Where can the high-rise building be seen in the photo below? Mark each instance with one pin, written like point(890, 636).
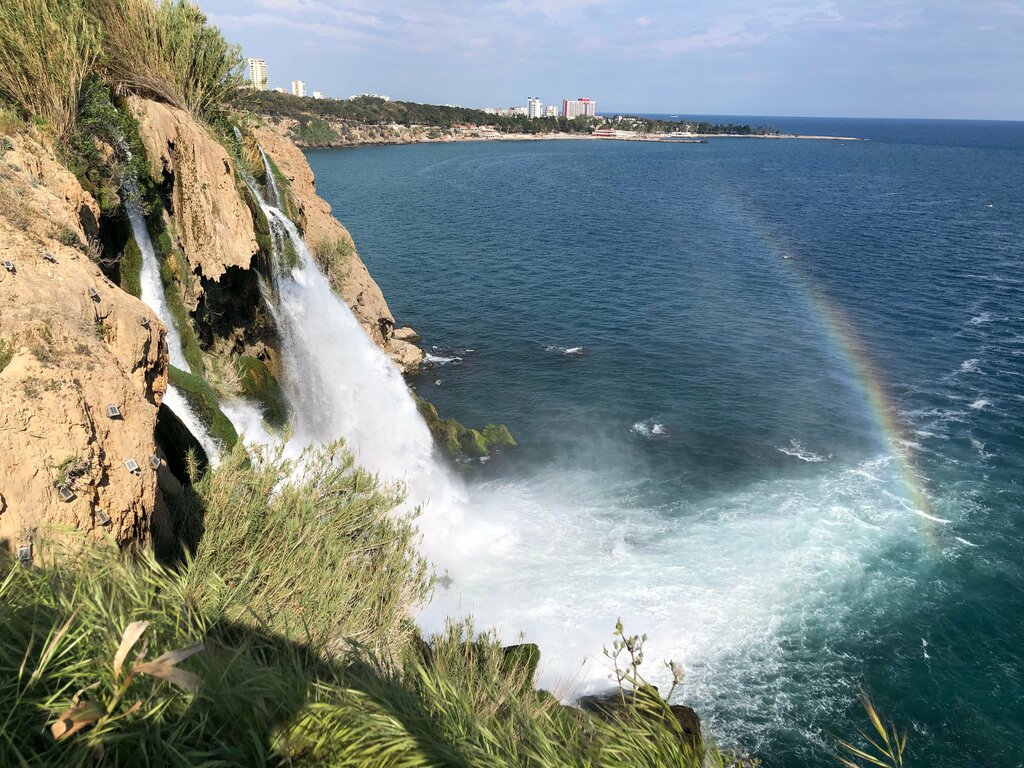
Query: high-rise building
point(582, 107)
point(551, 111)
point(318, 94)
point(257, 73)
point(533, 107)
point(298, 88)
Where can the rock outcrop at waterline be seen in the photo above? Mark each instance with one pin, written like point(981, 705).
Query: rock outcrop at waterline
point(71, 344)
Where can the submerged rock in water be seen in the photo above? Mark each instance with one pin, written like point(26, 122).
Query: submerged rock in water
point(459, 442)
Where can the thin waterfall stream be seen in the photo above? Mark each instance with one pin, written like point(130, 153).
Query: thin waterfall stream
point(153, 296)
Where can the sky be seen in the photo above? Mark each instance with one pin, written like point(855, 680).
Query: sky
point(842, 58)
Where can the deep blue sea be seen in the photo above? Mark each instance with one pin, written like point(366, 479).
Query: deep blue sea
point(770, 403)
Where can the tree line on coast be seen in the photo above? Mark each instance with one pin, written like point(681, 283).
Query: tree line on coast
point(371, 110)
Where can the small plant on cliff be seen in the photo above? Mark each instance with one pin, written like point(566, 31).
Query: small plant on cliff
point(6, 354)
point(69, 470)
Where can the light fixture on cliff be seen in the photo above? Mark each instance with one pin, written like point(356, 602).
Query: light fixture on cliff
point(145, 321)
point(66, 494)
point(9, 266)
point(154, 461)
point(24, 554)
point(132, 465)
point(49, 257)
point(102, 518)
point(93, 295)
point(113, 411)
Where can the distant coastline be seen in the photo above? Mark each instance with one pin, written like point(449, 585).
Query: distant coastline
point(391, 135)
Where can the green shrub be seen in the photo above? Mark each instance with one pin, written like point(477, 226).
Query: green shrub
point(48, 48)
point(314, 131)
point(101, 124)
point(204, 402)
point(316, 554)
point(167, 51)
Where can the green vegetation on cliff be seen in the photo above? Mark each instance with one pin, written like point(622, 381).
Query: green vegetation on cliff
point(204, 402)
point(260, 385)
point(163, 50)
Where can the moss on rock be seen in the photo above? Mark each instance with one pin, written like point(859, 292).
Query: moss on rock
point(131, 268)
point(204, 402)
point(260, 384)
point(460, 442)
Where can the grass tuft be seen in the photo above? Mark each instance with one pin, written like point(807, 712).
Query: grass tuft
point(48, 48)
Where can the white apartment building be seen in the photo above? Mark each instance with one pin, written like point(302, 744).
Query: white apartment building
point(551, 111)
point(533, 107)
point(318, 94)
point(298, 88)
point(257, 73)
point(582, 107)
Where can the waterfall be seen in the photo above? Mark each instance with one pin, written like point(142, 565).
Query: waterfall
point(273, 196)
point(153, 296)
point(342, 385)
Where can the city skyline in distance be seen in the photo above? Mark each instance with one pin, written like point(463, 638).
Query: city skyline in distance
point(821, 58)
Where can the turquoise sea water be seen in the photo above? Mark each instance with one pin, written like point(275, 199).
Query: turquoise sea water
point(701, 451)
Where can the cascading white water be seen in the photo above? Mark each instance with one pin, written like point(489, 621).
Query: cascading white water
point(273, 196)
point(153, 296)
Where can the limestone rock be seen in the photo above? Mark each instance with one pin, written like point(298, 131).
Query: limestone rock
point(332, 245)
point(64, 357)
point(405, 334)
point(214, 225)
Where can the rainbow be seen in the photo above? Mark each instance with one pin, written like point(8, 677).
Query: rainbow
point(842, 337)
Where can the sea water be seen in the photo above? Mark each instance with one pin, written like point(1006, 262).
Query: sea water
point(705, 450)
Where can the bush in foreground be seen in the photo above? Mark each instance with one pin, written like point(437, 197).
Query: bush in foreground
point(296, 578)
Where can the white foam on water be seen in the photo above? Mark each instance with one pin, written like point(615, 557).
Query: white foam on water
point(984, 317)
point(727, 585)
point(649, 428)
point(724, 587)
point(566, 351)
point(977, 405)
point(440, 359)
point(796, 450)
point(970, 366)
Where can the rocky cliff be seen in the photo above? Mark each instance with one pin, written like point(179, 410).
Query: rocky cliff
point(83, 363)
point(72, 344)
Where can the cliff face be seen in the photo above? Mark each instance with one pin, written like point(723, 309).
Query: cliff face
point(213, 225)
point(335, 251)
point(65, 356)
point(72, 343)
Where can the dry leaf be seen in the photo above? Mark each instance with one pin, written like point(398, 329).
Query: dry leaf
point(164, 668)
point(75, 719)
point(179, 677)
point(131, 636)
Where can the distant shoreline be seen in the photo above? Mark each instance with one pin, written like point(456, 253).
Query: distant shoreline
point(417, 138)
